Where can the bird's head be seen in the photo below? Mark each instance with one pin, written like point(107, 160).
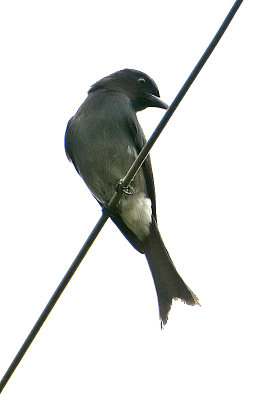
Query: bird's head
point(136, 85)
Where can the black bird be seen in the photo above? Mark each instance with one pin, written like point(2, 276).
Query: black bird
point(102, 140)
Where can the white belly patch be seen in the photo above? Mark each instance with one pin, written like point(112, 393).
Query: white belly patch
point(136, 212)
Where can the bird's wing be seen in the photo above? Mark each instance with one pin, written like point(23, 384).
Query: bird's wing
point(130, 236)
point(135, 130)
point(68, 146)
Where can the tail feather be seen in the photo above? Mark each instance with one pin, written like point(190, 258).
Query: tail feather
point(169, 285)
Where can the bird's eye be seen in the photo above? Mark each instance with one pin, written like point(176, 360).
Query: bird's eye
point(142, 81)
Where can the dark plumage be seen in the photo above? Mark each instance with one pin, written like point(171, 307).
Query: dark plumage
point(102, 140)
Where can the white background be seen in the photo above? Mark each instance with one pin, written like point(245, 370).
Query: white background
point(103, 338)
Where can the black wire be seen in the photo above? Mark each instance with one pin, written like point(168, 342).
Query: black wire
point(125, 182)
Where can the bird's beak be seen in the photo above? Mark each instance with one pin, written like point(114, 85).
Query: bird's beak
point(155, 101)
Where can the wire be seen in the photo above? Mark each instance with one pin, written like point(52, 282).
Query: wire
point(123, 183)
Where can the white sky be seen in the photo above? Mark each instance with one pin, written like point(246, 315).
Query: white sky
point(103, 338)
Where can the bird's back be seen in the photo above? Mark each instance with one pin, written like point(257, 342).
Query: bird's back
point(97, 137)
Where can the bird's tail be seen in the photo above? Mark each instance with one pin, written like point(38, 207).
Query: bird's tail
point(169, 285)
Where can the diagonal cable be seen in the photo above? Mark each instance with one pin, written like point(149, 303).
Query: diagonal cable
point(116, 197)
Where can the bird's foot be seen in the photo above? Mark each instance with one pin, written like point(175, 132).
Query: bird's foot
point(125, 189)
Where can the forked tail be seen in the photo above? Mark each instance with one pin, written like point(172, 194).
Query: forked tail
point(169, 285)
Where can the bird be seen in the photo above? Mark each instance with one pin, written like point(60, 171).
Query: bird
point(102, 140)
